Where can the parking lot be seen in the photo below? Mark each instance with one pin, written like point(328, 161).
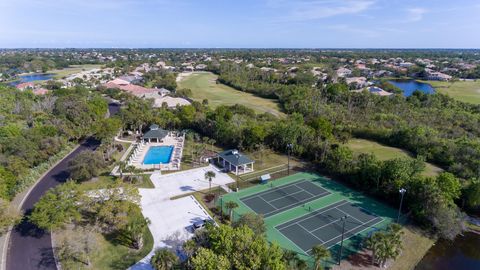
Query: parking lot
point(171, 221)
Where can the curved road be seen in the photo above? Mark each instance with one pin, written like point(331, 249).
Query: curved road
point(29, 247)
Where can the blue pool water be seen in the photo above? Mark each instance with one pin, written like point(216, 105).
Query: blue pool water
point(158, 154)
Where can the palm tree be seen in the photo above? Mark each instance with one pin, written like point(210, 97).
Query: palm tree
point(121, 167)
point(163, 259)
point(320, 253)
point(209, 176)
point(386, 245)
point(373, 243)
point(289, 257)
point(189, 247)
point(136, 228)
point(230, 205)
point(212, 142)
point(301, 264)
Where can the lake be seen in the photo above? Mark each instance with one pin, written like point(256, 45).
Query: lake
point(32, 77)
point(409, 86)
point(462, 253)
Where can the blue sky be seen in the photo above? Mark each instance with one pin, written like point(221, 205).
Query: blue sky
point(241, 23)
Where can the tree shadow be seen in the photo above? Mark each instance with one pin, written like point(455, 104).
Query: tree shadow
point(27, 229)
point(47, 260)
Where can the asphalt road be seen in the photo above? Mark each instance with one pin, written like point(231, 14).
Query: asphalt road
point(30, 247)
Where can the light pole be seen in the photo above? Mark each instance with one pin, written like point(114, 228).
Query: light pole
point(343, 219)
point(289, 149)
point(402, 192)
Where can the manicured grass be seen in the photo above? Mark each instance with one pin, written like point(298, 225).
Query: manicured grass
point(61, 73)
point(338, 193)
point(415, 246)
point(383, 152)
point(204, 86)
point(118, 154)
point(466, 91)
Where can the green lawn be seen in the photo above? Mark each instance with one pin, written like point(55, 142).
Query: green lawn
point(466, 91)
point(61, 73)
point(410, 257)
point(386, 152)
point(204, 86)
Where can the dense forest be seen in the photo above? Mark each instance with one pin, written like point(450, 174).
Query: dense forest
point(33, 129)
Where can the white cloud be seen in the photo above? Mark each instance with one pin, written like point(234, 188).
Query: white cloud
point(303, 10)
point(416, 14)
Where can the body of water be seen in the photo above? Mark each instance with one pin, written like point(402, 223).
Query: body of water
point(409, 86)
point(158, 155)
point(32, 77)
point(461, 254)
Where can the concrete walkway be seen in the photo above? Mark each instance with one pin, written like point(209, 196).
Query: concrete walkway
point(172, 220)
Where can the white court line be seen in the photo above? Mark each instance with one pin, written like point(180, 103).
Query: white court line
point(381, 219)
point(297, 204)
point(308, 216)
point(351, 216)
point(288, 195)
point(268, 204)
point(336, 207)
point(321, 240)
point(273, 189)
point(312, 193)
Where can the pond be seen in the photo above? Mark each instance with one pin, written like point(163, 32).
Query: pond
point(462, 253)
point(409, 86)
point(32, 77)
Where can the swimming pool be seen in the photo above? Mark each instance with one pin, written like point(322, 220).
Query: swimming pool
point(158, 154)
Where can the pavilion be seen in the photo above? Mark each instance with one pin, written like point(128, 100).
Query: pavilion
point(235, 162)
point(155, 134)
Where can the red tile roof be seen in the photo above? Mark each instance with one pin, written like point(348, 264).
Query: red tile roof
point(131, 88)
point(25, 85)
point(40, 91)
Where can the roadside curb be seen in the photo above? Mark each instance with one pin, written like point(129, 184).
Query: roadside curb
point(5, 239)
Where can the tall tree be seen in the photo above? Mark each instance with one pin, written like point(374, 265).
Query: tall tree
point(135, 228)
point(209, 176)
point(230, 205)
point(8, 216)
point(163, 259)
point(320, 253)
point(253, 221)
point(86, 165)
point(57, 207)
point(205, 259)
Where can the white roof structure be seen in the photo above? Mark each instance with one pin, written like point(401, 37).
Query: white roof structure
point(171, 101)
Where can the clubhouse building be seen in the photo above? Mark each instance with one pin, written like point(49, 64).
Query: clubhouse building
point(235, 162)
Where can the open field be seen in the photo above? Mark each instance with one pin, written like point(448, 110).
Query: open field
point(384, 152)
point(61, 73)
point(466, 91)
point(204, 86)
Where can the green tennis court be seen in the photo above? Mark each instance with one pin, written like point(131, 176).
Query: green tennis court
point(285, 197)
point(324, 226)
point(305, 209)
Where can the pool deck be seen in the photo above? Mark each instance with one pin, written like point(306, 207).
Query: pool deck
point(142, 149)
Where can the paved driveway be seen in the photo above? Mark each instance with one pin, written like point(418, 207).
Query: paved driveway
point(171, 220)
